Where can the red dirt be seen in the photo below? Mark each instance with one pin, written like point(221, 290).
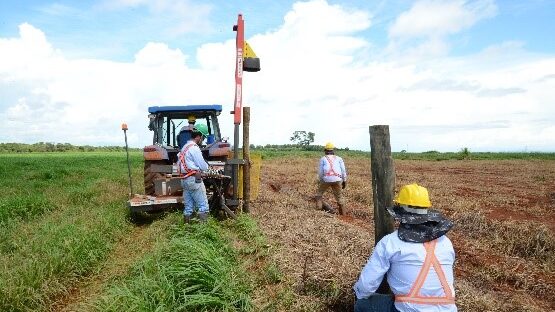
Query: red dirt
point(510, 191)
point(503, 214)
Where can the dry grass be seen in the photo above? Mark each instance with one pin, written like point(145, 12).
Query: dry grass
point(503, 238)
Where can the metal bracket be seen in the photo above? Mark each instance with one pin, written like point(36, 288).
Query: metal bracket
point(236, 162)
point(232, 202)
point(162, 168)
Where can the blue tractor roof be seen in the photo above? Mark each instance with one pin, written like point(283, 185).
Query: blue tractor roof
point(186, 108)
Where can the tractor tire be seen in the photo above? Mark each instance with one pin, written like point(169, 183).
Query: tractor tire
point(150, 175)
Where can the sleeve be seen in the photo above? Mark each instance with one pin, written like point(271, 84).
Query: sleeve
point(321, 168)
point(343, 170)
point(198, 159)
point(374, 271)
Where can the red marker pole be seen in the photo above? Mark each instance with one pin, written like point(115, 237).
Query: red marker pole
point(239, 45)
point(238, 104)
point(124, 128)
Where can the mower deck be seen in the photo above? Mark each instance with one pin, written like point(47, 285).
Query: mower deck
point(145, 203)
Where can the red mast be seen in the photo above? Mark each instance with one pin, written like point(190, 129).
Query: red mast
point(239, 44)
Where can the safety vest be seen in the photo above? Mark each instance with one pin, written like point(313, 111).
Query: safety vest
point(188, 172)
point(331, 171)
point(414, 294)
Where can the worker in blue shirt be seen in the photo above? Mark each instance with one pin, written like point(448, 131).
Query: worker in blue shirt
point(331, 173)
point(191, 165)
point(185, 133)
point(417, 260)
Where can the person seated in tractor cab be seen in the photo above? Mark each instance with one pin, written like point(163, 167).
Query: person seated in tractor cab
point(185, 132)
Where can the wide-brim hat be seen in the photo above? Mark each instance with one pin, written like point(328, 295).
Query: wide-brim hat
point(420, 226)
point(420, 216)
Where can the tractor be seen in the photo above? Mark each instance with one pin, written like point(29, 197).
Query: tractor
point(162, 182)
point(171, 130)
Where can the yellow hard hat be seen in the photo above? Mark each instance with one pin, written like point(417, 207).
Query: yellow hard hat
point(329, 146)
point(413, 195)
point(191, 119)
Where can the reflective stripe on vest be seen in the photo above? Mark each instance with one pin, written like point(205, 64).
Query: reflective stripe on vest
point(414, 293)
point(331, 172)
point(188, 172)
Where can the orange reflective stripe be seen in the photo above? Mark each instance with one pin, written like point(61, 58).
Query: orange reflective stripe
point(442, 279)
point(331, 172)
point(431, 260)
point(182, 160)
point(426, 300)
point(423, 272)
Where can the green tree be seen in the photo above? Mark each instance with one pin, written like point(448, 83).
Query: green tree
point(302, 138)
point(464, 153)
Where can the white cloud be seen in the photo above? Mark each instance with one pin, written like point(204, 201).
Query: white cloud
point(422, 31)
point(436, 18)
point(312, 79)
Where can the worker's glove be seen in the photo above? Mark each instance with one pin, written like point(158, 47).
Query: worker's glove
point(343, 184)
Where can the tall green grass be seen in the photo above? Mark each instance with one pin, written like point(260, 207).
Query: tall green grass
point(198, 270)
point(60, 216)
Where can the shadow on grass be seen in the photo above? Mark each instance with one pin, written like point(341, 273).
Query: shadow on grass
point(144, 218)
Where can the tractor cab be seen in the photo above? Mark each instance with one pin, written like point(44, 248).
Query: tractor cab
point(171, 129)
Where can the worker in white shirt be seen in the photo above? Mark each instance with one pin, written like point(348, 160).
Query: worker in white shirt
point(191, 165)
point(331, 173)
point(417, 259)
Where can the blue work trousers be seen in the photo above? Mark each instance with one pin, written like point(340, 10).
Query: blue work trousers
point(194, 195)
point(376, 303)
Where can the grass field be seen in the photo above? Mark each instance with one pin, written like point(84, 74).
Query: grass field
point(66, 243)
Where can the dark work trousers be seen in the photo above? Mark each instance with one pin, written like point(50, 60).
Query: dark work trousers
point(376, 303)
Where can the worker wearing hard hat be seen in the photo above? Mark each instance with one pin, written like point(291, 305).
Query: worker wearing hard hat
point(417, 259)
point(185, 132)
point(331, 173)
point(191, 164)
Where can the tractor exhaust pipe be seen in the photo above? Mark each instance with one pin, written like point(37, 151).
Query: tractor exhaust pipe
point(124, 128)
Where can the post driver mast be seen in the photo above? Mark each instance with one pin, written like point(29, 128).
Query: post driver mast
point(246, 60)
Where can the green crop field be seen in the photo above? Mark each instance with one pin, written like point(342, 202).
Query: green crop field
point(66, 243)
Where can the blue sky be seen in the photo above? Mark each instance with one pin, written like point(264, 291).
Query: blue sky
point(98, 29)
point(443, 74)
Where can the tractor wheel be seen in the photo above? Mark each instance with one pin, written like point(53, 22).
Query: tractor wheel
point(150, 175)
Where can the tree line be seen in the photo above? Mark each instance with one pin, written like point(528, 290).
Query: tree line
point(291, 147)
point(42, 147)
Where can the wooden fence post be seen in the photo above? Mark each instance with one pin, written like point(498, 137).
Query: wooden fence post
point(383, 185)
point(247, 158)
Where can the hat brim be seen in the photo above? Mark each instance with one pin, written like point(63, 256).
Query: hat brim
point(403, 216)
point(420, 233)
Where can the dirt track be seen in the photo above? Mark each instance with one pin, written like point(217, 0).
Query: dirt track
point(496, 270)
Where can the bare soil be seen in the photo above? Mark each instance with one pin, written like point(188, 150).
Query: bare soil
point(322, 254)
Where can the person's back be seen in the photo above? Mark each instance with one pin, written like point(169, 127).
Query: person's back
point(417, 259)
point(406, 260)
point(331, 174)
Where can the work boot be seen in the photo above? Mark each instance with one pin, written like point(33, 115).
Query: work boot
point(319, 203)
point(186, 219)
point(203, 216)
point(329, 209)
point(341, 209)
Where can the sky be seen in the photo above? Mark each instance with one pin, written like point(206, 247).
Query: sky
point(444, 75)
